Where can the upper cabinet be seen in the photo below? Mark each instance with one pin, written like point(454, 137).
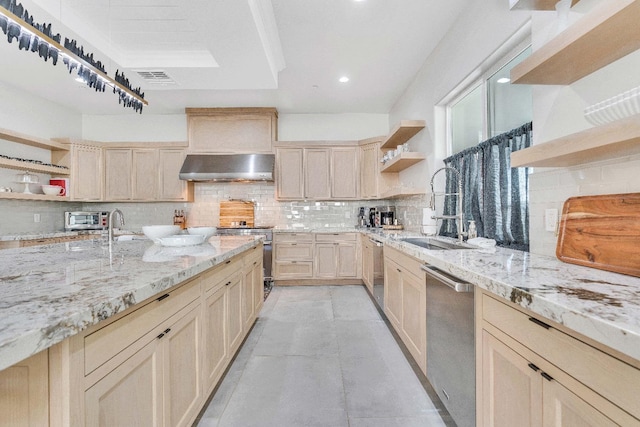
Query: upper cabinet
point(604, 35)
point(231, 130)
point(85, 162)
point(317, 171)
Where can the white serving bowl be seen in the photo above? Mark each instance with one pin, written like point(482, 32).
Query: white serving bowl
point(52, 190)
point(204, 231)
point(155, 232)
point(182, 240)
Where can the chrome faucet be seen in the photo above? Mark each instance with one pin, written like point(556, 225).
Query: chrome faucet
point(459, 217)
point(110, 222)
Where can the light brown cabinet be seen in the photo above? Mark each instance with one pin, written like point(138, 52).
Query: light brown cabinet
point(24, 393)
point(405, 302)
point(532, 373)
point(373, 183)
point(86, 173)
point(118, 174)
point(317, 172)
point(232, 130)
point(145, 174)
point(310, 256)
point(170, 186)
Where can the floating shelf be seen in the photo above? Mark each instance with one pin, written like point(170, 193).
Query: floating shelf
point(535, 4)
point(403, 132)
point(23, 196)
point(401, 162)
point(32, 167)
point(397, 193)
point(32, 141)
point(604, 35)
point(615, 139)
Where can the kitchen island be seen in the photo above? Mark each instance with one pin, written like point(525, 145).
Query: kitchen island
point(84, 313)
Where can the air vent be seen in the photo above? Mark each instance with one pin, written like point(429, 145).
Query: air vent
point(156, 77)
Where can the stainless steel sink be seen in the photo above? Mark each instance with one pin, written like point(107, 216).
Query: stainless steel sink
point(434, 244)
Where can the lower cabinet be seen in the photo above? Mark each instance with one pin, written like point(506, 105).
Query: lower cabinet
point(532, 374)
point(305, 256)
point(24, 392)
point(152, 365)
point(405, 302)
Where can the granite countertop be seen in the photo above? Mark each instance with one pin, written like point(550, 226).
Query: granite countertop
point(601, 305)
point(51, 292)
point(66, 233)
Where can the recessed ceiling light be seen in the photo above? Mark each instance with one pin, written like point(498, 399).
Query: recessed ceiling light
point(504, 80)
point(343, 79)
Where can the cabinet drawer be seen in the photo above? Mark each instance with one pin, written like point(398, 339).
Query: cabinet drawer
point(103, 344)
point(610, 377)
point(407, 263)
point(292, 237)
point(336, 237)
point(294, 251)
point(219, 273)
point(293, 270)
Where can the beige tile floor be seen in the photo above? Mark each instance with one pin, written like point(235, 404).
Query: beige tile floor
point(321, 356)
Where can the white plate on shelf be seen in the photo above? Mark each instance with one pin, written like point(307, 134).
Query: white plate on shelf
point(182, 240)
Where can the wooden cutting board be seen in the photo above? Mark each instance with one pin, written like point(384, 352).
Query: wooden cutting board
point(601, 232)
point(236, 211)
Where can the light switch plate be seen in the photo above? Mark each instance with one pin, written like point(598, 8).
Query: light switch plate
point(551, 219)
point(36, 217)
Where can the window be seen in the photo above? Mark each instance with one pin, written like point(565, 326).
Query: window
point(486, 123)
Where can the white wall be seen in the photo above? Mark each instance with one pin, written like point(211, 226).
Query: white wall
point(484, 26)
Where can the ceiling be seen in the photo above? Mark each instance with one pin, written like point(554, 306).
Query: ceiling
point(287, 54)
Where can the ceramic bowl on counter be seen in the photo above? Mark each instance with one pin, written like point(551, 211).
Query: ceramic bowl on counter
point(179, 240)
point(156, 232)
point(204, 231)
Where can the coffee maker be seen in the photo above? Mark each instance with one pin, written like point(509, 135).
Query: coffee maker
point(387, 215)
point(363, 217)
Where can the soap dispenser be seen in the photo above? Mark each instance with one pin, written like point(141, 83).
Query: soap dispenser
point(473, 233)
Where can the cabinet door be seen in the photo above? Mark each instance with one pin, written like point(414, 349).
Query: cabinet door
point(289, 176)
point(228, 132)
point(392, 292)
point(131, 394)
point(367, 264)
point(344, 173)
point(317, 183)
point(247, 298)
point(171, 187)
point(258, 287)
point(216, 351)
point(346, 260)
point(24, 393)
point(414, 317)
point(118, 171)
point(145, 174)
point(325, 260)
point(182, 373)
point(86, 182)
point(234, 310)
point(511, 389)
point(368, 171)
point(562, 408)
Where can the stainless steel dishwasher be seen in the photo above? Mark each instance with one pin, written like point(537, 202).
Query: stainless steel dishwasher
point(451, 344)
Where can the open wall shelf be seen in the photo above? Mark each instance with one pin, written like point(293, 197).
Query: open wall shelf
point(401, 162)
point(604, 35)
point(22, 196)
point(32, 141)
point(403, 132)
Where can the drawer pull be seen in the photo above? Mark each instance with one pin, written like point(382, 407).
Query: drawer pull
point(165, 296)
point(534, 367)
point(255, 262)
point(227, 284)
point(546, 376)
point(166, 331)
point(399, 271)
point(228, 261)
point(294, 262)
point(294, 244)
point(539, 323)
point(161, 335)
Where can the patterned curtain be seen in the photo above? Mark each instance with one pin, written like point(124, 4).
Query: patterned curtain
point(495, 195)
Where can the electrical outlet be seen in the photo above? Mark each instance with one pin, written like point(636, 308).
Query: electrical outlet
point(551, 219)
point(36, 217)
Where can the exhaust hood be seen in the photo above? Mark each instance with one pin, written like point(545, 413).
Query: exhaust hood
point(228, 167)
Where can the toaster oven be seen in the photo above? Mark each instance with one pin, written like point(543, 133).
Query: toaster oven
point(86, 220)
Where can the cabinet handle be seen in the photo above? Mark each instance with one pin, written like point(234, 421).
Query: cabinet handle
point(294, 262)
point(539, 323)
point(228, 261)
point(160, 336)
point(336, 234)
point(166, 331)
point(165, 296)
point(534, 367)
point(399, 271)
point(255, 262)
point(227, 284)
point(546, 376)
